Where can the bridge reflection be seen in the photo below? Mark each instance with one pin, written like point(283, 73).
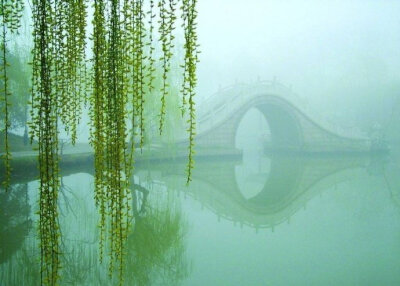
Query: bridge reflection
point(260, 192)
point(283, 184)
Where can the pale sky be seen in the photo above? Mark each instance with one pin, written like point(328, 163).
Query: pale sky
point(326, 50)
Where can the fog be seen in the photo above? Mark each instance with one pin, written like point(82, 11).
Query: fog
point(341, 57)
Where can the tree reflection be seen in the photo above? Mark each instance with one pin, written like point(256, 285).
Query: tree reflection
point(14, 220)
point(155, 248)
point(18, 255)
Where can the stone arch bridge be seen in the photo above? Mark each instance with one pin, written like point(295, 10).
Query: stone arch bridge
point(290, 127)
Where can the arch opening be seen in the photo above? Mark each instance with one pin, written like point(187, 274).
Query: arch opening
point(252, 134)
point(270, 122)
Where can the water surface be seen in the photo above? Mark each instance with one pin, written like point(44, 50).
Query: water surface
point(270, 219)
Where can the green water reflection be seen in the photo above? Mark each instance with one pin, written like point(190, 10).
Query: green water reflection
point(258, 220)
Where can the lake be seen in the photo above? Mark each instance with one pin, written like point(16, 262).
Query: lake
point(264, 218)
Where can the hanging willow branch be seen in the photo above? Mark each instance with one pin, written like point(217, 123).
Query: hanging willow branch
point(115, 145)
point(122, 72)
point(44, 119)
point(98, 104)
point(166, 29)
point(189, 15)
point(109, 115)
point(70, 43)
point(139, 64)
point(57, 87)
point(10, 13)
point(151, 63)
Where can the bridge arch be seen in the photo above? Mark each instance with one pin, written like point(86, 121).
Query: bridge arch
point(284, 124)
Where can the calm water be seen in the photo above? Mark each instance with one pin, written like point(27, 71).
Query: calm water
point(257, 220)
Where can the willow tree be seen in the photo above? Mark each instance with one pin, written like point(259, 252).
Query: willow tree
point(115, 79)
point(10, 14)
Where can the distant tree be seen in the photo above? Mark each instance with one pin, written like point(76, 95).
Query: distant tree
point(19, 85)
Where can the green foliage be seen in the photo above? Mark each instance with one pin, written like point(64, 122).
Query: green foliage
point(189, 15)
point(173, 124)
point(119, 82)
point(151, 61)
point(166, 29)
point(10, 14)
point(98, 104)
point(44, 126)
point(58, 68)
point(69, 61)
point(124, 84)
point(138, 66)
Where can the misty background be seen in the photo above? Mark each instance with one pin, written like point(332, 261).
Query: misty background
point(341, 58)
